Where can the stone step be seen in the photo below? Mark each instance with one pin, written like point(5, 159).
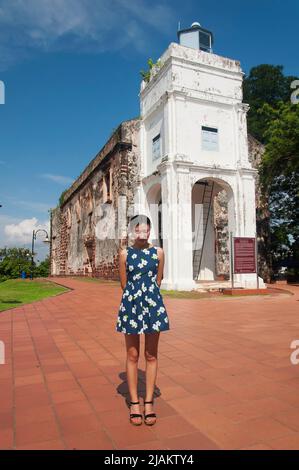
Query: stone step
point(213, 286)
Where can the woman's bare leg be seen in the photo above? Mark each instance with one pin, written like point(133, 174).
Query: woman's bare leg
point(133, 346)
point(151, 357)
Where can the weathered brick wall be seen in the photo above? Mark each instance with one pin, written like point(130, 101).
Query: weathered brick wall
point(58, 248)
point(221, 234)
point(256, 151)
point(85, 235)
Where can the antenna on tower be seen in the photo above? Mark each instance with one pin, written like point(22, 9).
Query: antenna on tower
point(179, 26)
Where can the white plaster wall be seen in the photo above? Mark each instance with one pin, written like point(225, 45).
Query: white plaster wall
point(154, 125)
point(191, 116)
point(193, 89)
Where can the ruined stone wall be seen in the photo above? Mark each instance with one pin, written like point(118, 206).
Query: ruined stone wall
point(59, 239)
point(114, 216)
point(256, 151)
point(221, 234)
point(85, 228)
point(55, 241)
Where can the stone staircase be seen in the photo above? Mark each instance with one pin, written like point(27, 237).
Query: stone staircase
point(214, 286)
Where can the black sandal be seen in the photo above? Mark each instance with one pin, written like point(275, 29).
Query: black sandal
point(149, 415)
point(135, 415)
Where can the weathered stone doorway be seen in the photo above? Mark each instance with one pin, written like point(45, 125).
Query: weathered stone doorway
point(212, 220)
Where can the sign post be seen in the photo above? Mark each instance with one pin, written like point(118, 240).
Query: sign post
point(231, 259)
point(245, 255)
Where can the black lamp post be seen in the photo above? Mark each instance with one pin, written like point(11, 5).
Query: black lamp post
point(28, 255)
point(34, 233)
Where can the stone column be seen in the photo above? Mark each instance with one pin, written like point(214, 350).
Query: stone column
point(166, 171)
point(176, 225)
point(183, 265)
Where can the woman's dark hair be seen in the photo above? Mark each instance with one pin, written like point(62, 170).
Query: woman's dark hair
point(139, 219)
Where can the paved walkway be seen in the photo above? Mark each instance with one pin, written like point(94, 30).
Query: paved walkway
point(225, 379)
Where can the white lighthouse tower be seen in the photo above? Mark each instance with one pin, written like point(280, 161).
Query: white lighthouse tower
point(193, 145)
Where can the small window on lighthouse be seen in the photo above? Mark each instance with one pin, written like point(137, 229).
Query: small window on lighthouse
point(156, 147)
point(209, 138)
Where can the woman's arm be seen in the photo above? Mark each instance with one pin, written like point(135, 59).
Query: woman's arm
point(122, 267)
point(160, 266)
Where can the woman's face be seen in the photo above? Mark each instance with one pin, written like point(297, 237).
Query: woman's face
point(142, 233)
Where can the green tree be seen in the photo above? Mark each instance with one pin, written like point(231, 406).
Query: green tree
point(265, 84)
point(282, 137)
point(43, 269)
point(13, 261)
point(279, 177)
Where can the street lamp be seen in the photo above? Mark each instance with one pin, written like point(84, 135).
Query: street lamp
point(34, 233)
point(28, 256)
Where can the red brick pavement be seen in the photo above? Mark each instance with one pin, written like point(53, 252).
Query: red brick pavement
point(225, 379)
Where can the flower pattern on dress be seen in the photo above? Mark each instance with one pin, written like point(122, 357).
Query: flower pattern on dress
point(142, 309)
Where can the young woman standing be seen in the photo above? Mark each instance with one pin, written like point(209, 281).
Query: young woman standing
point(141, 311)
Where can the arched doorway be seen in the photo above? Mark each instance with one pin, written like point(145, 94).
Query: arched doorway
point(212, 220)
point(154, 202)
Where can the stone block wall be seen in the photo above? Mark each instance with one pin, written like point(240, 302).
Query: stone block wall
point(85, 237)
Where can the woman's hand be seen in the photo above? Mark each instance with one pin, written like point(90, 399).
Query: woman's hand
point(122, 267)
point(160, 253)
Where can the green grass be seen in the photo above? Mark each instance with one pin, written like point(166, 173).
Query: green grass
point(185, 294)
point(16, 292)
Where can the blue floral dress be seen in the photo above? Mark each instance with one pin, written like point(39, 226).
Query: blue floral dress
point(142, 309)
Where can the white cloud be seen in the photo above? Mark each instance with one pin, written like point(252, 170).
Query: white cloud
point(5, 219)
point(78, 26)
point(16, 232)
point(58, 178)
point(21, 232)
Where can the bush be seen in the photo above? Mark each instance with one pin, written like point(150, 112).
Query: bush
point(292, 275)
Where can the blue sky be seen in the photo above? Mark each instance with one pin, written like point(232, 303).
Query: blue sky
point(71, 74)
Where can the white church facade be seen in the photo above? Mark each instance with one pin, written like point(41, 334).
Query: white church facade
point(193, 144)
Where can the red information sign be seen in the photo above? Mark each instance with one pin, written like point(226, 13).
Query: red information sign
point(244, 255)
